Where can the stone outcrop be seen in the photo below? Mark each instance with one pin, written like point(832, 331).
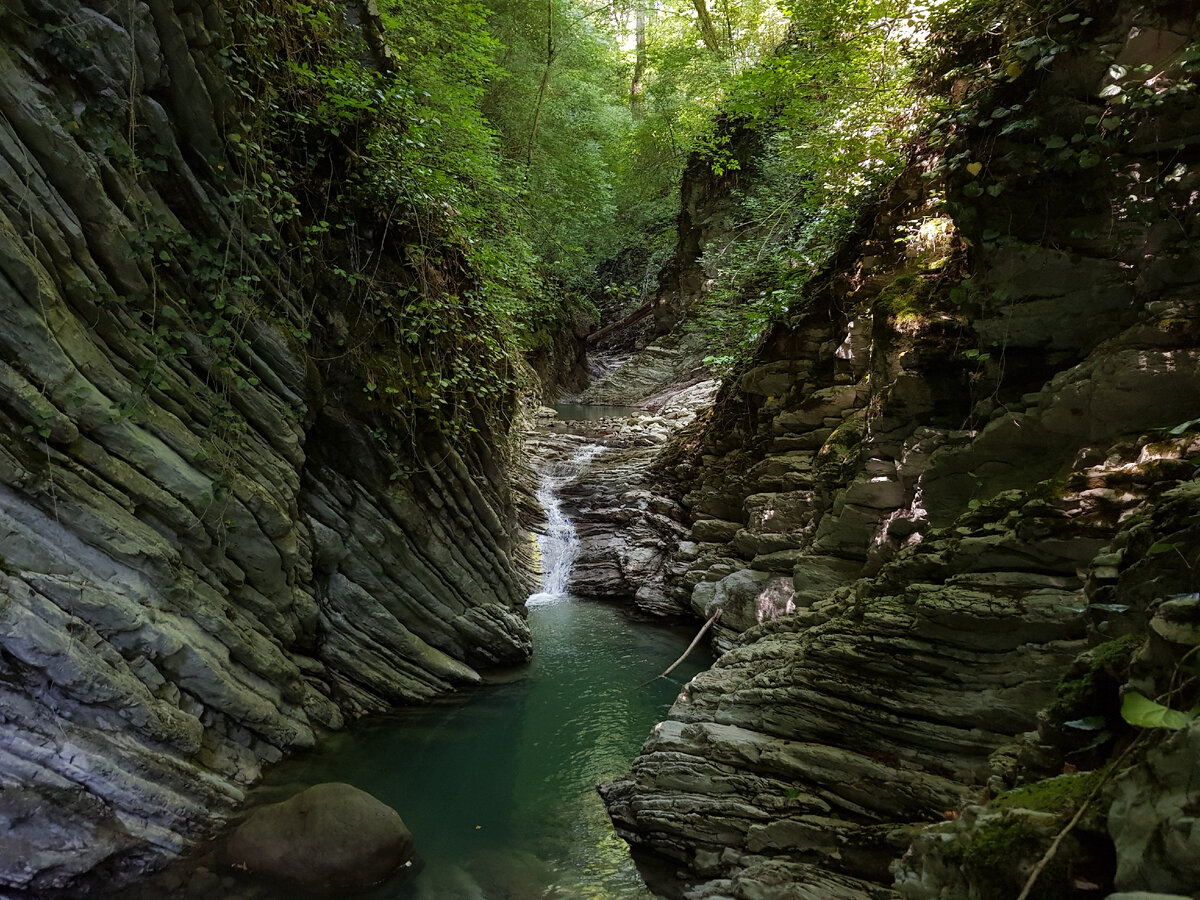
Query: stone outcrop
point(920, 506)
point(209, 549)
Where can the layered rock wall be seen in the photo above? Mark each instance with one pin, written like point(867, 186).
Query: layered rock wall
point(930, 493)
point(208, 553)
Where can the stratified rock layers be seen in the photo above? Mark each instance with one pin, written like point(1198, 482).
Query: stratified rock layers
point(915, 514)
point(203, 559)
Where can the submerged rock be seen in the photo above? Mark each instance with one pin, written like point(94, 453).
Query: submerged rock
point(332, 836)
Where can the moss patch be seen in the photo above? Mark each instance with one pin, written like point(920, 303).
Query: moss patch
point(997, 856)
point(1062, 794)
point(907, 298)
point(1094, 674)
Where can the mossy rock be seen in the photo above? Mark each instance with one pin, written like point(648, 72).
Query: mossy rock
point(1061, 795)
point(988, 854)
point(907, 297)
point(1089, 693)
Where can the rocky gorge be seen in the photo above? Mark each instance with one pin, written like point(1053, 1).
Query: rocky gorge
point(208, 550)
point(948, 511)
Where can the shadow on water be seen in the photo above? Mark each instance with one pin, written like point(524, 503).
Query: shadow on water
point(499, 787)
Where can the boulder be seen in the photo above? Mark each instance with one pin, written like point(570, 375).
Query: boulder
point(1152, 820)
point(714, 531)
point(331, 836)
point(746, 598)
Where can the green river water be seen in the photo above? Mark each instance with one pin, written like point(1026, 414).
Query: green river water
point(498, 784)
point(499, 787)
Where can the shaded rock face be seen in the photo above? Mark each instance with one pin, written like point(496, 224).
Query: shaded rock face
point(706, 203)
point(330, 837)
point(198, 571)
point(648, 356)
point(916, 523)
point(1152, 818)
point(706, 199)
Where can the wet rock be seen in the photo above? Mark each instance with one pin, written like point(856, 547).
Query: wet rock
point(627, 525)
point(329, 837)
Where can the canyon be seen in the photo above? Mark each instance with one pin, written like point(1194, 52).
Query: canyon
point(948, 510)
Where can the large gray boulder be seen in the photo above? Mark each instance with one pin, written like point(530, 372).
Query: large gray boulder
point(1152, 820)
point(331, 836)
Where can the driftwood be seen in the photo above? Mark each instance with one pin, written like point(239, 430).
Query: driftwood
point(692, 646)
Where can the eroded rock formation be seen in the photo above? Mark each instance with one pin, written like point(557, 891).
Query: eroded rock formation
point(928, 496)
point(208, 551)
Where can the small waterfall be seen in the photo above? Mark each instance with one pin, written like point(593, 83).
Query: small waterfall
point(559, 544)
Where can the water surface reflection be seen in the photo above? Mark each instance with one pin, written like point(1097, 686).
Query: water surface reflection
point(499, 788)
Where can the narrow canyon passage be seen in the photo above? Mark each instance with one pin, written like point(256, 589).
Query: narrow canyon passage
point(881, 327)
point(498, 784)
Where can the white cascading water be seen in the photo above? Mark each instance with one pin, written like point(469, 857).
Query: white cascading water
point(559, 544)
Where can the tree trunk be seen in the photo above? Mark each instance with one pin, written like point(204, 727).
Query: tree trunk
point(541, 96)
point(639, 66)
point(707, 29)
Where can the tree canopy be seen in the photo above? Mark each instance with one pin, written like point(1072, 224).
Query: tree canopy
point(554, 133)
point(540, 137)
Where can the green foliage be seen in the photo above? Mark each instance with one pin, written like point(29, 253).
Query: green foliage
point(404, 193)
point(561, 121)
point(1142, 712)
point(515, 145)
point(838, 112)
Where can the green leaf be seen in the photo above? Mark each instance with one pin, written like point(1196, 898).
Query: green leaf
point(1100, 738)
point(1144, 713)
point(1163, 547)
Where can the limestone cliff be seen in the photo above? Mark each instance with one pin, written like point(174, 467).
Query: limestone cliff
point(970, 459)
point(211, 547)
